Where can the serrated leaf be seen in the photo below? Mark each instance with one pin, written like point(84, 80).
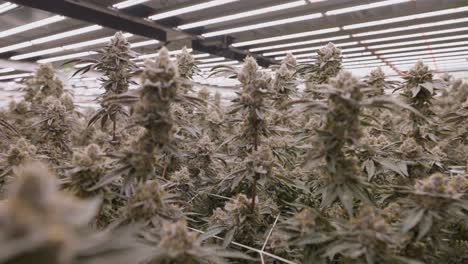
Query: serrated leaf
point(413, 219)
point(370, 169)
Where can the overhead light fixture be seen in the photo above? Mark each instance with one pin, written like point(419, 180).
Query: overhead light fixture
point(81, 65)
point(92, 42)
point(50, 38)
point(7, 7)
point(423, 52)
point(154, 55)
point(305, 60)
point(425, 34)
point(242, 15)
point(309, 49)
point(128, 3)
point(5, 70)
point(14, 76)
point(407, 18)
point(211, 60)
point(67, 57)
point(364, 7)
point(367, 62)
point(285, 37)
point(450, 44)
point(431, 60)
point(418, 26)
point(439, 65)
point(404, 43)
point(189, 9)
point(262, 25)
point(365, 66)
point(343, 50)
point(144, 43)
point(430, 56)
point(201, 55)
point(279, 46)
point(33, 25)
point(359, 54)
point(217, 63)
point(361, 58)
point(66, 34)
point(353, 49)
point(65, 48)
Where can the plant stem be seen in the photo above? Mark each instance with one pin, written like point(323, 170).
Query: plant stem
point(254, 184)
point(114, 124)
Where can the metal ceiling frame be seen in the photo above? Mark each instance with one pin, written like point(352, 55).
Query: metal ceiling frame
point(107, 17)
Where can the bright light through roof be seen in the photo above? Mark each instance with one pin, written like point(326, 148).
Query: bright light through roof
point(68, 56)
point(286, 37)
point(30, 26)
point(128, 3)
point(5, 70)
point(64, 48)
point(364, 7)
point(343, 50)
point(189, 9)
point(14, 76)
point(242, 15)
point(407, 18)
point(429, 33)
point(306, 42)
point(144, 43)
point(7, 7)
point(362, 62)
point(430, 47)
point(403, 43)
point(423, 52)
point(431, 60)
point(262, 25)
point(50, 38)
point(308, 49)
point(217, 63)
point(364, 65)
point(211, 60)
point(431, 56)
point(153, 55)
point(418, 26)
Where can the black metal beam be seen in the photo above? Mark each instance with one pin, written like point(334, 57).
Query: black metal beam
point(126, 21)
point(231, 53)
point(95, 14)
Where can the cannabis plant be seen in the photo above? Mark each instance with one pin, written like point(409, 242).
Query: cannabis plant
point(175, 244)
point(283, 84)
point(327, 65)
point(8, 129)
point(116, 64)
point(251, 104)
point(40, 224)
point(433, 204)
point(18, 154)
point(342, 179)
point(45, 83)
point(152, 205)
point(151, 109)
point(85, 170)
point(367, 238)
point(53, 129)
point(379, 83)
point(238, 221)
point(186, 64)
point(419, 89)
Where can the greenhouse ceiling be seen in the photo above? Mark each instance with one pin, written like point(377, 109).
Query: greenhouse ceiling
point(393, 34)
